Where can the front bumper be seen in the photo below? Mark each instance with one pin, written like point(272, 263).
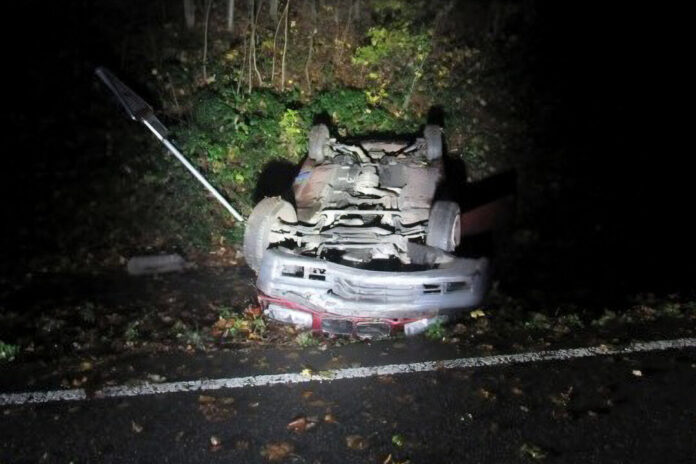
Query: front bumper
point(327, 287)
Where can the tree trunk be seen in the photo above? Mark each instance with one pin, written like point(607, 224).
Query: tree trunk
point(230, 16)
point(205, 40)
point(189, 13)
point(273, 10)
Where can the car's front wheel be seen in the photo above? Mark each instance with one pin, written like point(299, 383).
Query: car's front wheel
point(259, 232)
point(444, 226)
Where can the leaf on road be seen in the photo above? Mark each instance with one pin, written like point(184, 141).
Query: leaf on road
point(135, 427)
point(215, 443)
point(302, 424)
point(275, 452)
point(398, 440)
point(485, 394)
point(533, 451)
point(356, 442)
point(216, 409)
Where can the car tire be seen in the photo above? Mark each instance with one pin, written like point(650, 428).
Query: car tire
point(444, 226)
point(318, 140)
point(258, 233)
point(433, 142)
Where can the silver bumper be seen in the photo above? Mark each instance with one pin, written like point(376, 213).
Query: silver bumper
point(346, 291)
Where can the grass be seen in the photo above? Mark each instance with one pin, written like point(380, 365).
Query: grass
point(306, 339)
point(436, 331)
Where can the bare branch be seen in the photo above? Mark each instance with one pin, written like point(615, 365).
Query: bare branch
point(285, 48)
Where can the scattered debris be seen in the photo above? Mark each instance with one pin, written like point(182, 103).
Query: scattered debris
point(398, 440)
point(144, 265)
point(637, 372)
point(275, 452)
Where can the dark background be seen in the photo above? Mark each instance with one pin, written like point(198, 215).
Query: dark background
point(611, 195)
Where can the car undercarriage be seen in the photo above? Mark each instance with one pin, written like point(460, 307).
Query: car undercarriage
point(367, 240)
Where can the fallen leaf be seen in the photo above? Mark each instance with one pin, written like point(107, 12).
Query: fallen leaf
point(301, 424)
point(254, 311)
point(85, 366)
point(135, 427)
point(475, 314)
point(215, 443)
point(330, 419)
point(398, 440)
point(216, 409)
point(485, 394)
point(356, 442)
point(533, 451)
point(277, 451)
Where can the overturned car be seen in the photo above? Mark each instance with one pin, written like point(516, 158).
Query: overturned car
point(369, 247)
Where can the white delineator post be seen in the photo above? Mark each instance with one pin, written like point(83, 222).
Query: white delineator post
point(174, 151)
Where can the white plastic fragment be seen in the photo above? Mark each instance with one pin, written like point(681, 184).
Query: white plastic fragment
point(142, 265)
point(421, 325)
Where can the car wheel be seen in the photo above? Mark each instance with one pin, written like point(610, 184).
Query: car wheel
point(258, 234)
point(433, 142)
point(318, 139)
point(444, 226)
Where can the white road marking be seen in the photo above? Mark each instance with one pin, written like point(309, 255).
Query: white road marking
point(148, 388)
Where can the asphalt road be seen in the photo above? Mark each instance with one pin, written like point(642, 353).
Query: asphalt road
point(637, 407)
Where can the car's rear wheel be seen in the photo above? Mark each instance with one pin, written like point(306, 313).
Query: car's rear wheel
point(318, 141)
point(258, 234)
point(433, 142)
point(444, 226)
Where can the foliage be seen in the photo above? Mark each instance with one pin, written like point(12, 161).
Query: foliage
point(390, 44)
point(306, 339)
point(233, 137)
point(436, 331)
